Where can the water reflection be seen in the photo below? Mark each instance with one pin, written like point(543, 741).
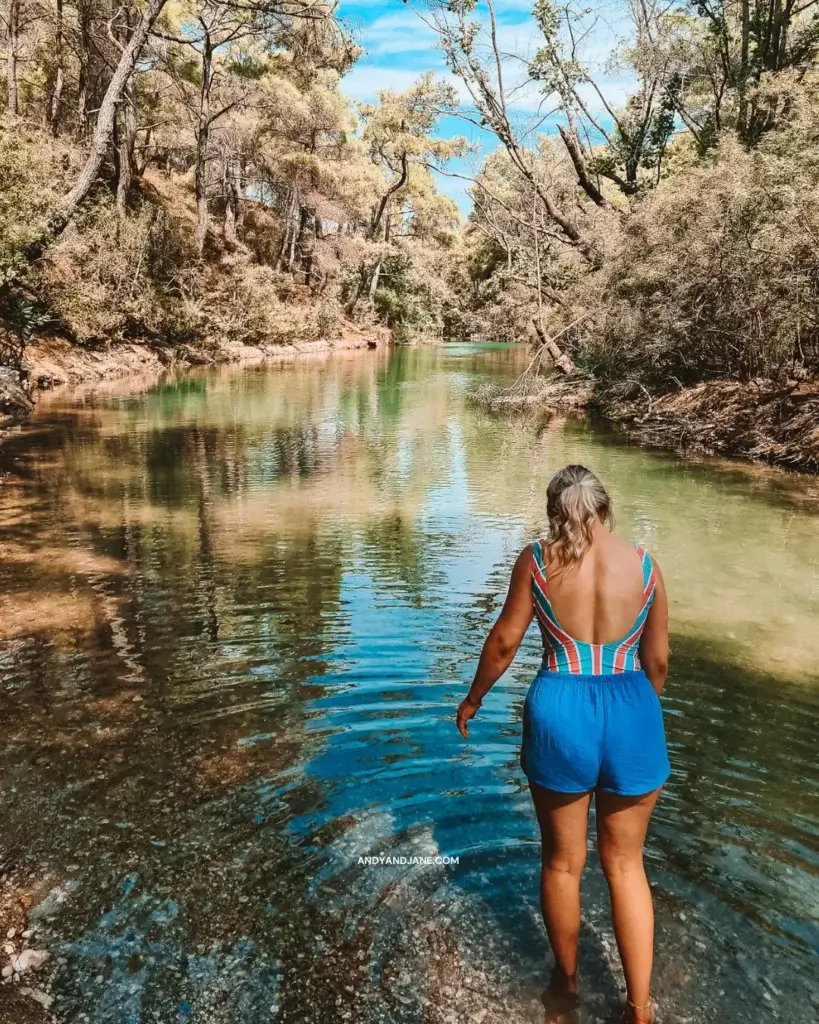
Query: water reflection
point(236, 612)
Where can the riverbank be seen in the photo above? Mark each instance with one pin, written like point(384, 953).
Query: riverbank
point(52, 362)
point(758, 420)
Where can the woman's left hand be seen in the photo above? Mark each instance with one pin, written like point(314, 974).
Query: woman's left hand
point(466, 710)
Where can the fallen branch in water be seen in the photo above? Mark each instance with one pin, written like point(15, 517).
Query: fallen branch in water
point(561, 360)
point(570, 391)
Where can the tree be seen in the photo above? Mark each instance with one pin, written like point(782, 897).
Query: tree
point(213, 30)
point(240, 104)
point(398, 135)
point(473, 53)
point(59, 76)
point(616, 144)
point(727, 64)
point(16, 18)
point(221, 79)
point(103, 133)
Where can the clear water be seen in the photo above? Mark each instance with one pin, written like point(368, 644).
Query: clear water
point(237, 612)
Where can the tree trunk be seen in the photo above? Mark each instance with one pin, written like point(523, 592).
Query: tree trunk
point(126, 155)
point(294, 236)
point(359, 290)
point(117, 149)
point(202, 140)
point(230, 219)
point(562, 361)
point(241, 206)
point(372, 233)
point(385, 199)
point(572, 144)
point(84, 57)
point(12, 78)
point(305, 250)
point(231, 202)
point(375, 280)
point(59, 81)
point(101, 141)
point(126, 143)
point(141, 162)
point(288, 217)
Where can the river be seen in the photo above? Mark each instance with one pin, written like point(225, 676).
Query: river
point(237, 612)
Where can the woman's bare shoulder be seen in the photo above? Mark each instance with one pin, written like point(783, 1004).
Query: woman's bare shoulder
point(527, 554)
point(523, 563)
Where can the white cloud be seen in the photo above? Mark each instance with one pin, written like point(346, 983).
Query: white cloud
point(346, 6)
point(365, 81)
point(397, 33)
point(400, 47)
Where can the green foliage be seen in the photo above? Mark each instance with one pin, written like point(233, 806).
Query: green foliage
point(671, 239)
point(408, 301)
point(715, 275)
point(328, 318)
point(19, 320)
point(240, 190)
point(406, 312)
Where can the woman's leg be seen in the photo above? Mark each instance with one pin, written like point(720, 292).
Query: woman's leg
point(622, 823)
point(563, 820)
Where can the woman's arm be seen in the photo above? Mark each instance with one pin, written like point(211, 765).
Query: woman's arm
point(654, 642)
point(504, 638)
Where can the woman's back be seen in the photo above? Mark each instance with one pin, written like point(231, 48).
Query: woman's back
point(599, 600)
point(592, 612)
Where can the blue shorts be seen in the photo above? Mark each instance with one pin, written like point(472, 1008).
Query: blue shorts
point(581, 732)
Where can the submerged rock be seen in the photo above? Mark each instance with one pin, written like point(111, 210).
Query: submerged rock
point(15, 401)
point(30, 960)
point(37, 994)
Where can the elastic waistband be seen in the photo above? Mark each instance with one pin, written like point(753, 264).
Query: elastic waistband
point(608, 679)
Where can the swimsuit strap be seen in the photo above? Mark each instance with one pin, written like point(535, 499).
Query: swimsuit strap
point(649, 577)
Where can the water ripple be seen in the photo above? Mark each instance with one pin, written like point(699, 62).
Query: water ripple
point(238, 615)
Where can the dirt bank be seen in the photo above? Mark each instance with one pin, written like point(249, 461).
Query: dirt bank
point(51, 361)
point(759, 419)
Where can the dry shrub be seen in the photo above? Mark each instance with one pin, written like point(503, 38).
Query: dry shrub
point(262, 234)
point(328, 318)
point(108, 280)
point(714, 274)
point(34, 171)
point(243, 304)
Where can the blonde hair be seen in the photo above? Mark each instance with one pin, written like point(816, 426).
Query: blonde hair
point(575, 501)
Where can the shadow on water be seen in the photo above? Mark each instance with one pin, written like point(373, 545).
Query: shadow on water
point(236, 619)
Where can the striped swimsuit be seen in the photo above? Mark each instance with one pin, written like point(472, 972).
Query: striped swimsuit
point(564, 654)
point(592, 718)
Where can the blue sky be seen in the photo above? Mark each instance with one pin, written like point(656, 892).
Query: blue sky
point(399, 47)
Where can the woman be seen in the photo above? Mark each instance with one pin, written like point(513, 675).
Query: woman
point(592, 722)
